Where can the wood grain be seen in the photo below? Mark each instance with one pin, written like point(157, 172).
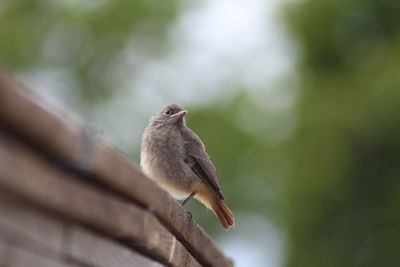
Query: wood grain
point(129, 181)
point(67, 142)
point(3, 253)
point(17, 257)
point(33, 230)
point(94, 250)
point(25, 225)
point(36, 123)
point(27, 175)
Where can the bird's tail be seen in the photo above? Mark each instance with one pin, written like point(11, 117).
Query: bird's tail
point(224, 214)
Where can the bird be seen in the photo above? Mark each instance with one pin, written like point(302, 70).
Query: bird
point(176, 159)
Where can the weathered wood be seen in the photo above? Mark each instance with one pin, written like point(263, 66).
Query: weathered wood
point(28, 235)
point(17, 257)
point(3, 253)
point(26, 174)
point(36, 124)
point(25, 225)
point(91, 249)
point(33, 229)
point(67, 142)
point(105, 164)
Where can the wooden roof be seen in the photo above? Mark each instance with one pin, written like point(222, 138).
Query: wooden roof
point(53, 170)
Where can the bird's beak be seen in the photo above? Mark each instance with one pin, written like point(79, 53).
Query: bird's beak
point(179, 114)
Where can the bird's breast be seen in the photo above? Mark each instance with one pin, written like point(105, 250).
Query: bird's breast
point(162, 160)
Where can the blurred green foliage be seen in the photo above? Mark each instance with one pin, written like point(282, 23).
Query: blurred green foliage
point(248, 167)
point(344, 191)
point(84, 38)
point(332, 183)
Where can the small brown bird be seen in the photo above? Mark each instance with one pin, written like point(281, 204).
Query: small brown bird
point(174, 157)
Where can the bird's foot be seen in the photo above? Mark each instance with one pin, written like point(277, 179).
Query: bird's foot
point(150, 209)
point(188, 212)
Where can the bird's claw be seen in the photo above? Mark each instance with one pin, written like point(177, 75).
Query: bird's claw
point(188, 212)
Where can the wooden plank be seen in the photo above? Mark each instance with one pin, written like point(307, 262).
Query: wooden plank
point(17, 257)
point(94, 250)
point(3, 253)
point(25, 173)
point(29, 119)
point(27, 226)
point(66, 142)
point(28, 236)
point(107, 164)
point(33, 230)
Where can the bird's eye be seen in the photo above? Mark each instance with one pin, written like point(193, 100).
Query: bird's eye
point(167, 112)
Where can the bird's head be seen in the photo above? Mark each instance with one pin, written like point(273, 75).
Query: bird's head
point(170, 115)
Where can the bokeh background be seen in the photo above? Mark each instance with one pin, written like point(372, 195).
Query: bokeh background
point(297, 101)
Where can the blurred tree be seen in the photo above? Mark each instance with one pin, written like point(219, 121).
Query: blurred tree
point(82, 39)
point(252, 171)
point(334, 184)
point(344, 189)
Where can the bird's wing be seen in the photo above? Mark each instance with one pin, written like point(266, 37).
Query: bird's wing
point(200, 162)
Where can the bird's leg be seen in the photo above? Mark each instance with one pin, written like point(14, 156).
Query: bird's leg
point(184, 203)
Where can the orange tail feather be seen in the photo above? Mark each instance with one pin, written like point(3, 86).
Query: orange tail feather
point(224, 214)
